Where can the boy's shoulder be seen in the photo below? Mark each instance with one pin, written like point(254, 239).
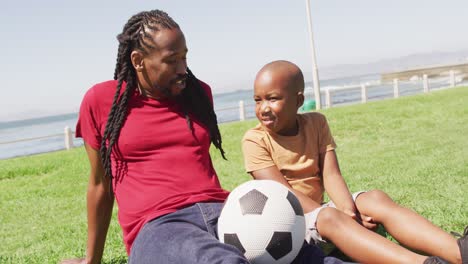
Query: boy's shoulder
point(255, 133)
point(312, 118)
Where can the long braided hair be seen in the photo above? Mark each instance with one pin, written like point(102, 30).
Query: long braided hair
point(135, 36)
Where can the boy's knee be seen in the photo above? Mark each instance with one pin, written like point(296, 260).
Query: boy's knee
point(376, 204)
point(378, 196)
point(374, 198)
point(331, 221)
point(329, 216)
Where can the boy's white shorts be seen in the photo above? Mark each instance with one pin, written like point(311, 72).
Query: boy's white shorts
point(312, 235)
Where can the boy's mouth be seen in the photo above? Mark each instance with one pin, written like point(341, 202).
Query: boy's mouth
point(267, 122)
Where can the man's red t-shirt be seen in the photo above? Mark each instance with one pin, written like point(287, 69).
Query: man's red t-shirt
point(162, 166)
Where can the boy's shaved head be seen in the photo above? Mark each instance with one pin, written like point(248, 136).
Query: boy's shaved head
point(284, 72)
point(278, 94)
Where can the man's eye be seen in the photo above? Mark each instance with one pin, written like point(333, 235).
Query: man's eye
point(176, 60)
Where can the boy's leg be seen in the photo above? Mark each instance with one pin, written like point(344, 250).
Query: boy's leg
point(407, 227)
point(359, 243)
point(185, 236)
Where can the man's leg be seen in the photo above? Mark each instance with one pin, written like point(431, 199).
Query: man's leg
point(313, 254)
point(185, 236)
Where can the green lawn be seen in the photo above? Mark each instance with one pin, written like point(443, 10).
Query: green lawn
point(415, 148)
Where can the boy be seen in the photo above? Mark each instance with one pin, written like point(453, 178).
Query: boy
point(297, 150)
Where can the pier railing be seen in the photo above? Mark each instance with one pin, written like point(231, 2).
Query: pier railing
point(362, 94)
point(424, 82)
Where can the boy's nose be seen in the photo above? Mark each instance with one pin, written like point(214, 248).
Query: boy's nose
point(265, 108)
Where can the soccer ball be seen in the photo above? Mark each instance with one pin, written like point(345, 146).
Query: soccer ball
point(264, 220)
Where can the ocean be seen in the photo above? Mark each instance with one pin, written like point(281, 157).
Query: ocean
point(45, 134)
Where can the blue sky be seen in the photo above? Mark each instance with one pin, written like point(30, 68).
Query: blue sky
point(53, 51)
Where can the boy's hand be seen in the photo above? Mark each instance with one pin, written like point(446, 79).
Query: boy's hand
point(368, 222)
point(351, 212)
point(362, 219)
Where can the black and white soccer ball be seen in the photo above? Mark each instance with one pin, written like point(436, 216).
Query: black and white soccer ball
point(264, 220)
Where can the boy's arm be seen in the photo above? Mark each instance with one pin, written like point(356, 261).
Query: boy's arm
point(272, 173)
point(335, 185)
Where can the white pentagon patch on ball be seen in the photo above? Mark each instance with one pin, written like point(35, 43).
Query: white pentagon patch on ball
point(264, 220)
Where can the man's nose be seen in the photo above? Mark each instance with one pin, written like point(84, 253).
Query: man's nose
point(182, 67)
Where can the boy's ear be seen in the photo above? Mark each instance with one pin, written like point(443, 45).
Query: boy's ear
point(300, 99)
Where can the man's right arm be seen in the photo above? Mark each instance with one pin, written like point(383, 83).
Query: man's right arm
point(99, 206)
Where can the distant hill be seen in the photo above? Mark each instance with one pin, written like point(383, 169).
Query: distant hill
point(395, 64)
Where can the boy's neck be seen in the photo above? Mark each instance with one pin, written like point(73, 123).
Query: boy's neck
point(293, 131)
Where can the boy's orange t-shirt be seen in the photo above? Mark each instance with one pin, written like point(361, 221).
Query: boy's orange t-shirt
point(297, 157)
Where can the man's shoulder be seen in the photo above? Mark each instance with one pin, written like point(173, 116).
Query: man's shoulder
point(204, 85)
point(100, 95)
point(104, 88)
point(101, 91)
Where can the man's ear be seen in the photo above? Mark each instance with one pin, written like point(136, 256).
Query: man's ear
point(137, 60)
point(300, 99)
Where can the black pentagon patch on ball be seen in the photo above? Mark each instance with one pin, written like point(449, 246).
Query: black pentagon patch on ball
point(232, 239)
point(253, 202)
point(295, 204)
point(280, 245)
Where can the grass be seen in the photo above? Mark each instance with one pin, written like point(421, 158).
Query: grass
point(415, 148)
